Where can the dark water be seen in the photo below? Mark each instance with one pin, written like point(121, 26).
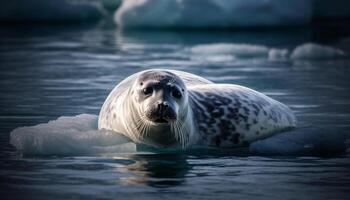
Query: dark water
point(52, 71)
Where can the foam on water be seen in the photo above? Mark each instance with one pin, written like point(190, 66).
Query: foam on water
point(213, 13)
point(78, 135)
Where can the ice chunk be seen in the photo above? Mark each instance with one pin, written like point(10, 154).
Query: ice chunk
point(278, 54)
point(228, 52)
point(212, 13)
point(302, 141)
point(238, 50)
point(69, 136)
point(50, 10)
point(315, 51)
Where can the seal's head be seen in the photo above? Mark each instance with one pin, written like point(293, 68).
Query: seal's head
point(160, 102)
point(161, 96)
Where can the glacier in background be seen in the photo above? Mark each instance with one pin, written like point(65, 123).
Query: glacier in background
point(178, 13)
point(212, 13)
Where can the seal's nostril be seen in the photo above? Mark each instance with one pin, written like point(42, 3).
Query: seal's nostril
point(162, 106)
point(165, 105)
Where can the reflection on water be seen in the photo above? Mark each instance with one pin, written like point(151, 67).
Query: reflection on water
point(165, 170)
point(47, 72)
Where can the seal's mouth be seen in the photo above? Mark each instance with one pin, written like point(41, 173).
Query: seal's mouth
point(161, 121)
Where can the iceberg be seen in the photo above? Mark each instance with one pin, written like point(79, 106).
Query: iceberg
point(50, 10)
point(212, 13)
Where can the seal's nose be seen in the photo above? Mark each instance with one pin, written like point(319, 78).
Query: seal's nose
point(162, 106)
point(163, 112)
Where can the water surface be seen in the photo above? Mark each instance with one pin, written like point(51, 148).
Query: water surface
point(52, 71)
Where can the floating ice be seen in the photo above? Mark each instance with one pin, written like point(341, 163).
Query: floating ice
point(78, 135)
point(315, 51)
point(229, 52)
point(210, 52)
point(50, 10)
point(239, 50)
point(303, 141)
point(278, 54)
point(70, 136)
point(212, 13)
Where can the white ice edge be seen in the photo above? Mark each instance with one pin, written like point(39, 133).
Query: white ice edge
point(78, 136)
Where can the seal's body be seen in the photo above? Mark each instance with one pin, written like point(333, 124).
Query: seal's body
point(168, 108)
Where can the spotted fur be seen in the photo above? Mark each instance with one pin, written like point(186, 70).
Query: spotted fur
point(230, 115)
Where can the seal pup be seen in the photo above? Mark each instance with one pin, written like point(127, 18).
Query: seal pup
point(169, 108)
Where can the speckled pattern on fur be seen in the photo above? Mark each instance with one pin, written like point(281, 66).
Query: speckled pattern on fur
point(219, 115)
point(231, 115)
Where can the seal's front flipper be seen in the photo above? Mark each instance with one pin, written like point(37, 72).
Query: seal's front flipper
point(310, 141)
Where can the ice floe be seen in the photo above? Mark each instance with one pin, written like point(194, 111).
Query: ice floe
point(69, 136)
point(78, 136)
point(307, 51)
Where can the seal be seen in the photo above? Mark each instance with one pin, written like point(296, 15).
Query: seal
point(169, 108)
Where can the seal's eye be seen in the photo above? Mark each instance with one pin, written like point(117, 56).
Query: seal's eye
point(177, 94)
point(147, 90)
